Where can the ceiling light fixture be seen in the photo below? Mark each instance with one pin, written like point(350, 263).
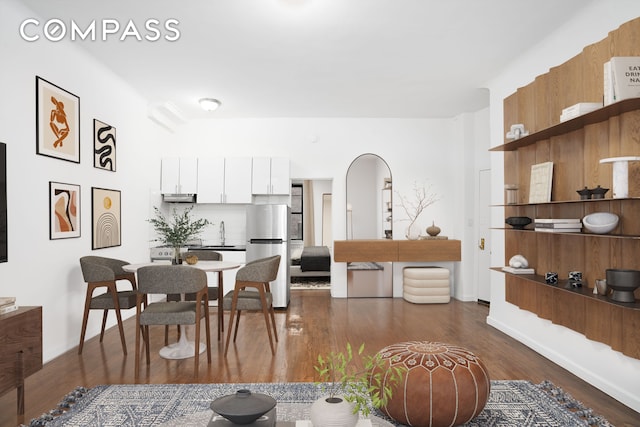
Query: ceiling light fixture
point(209, 104)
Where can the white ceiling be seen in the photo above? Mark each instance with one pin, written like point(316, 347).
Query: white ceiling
point(317, 58)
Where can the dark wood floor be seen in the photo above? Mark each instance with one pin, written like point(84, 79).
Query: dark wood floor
point(314, 323)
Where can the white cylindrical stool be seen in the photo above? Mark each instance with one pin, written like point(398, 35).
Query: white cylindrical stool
point(426, 285)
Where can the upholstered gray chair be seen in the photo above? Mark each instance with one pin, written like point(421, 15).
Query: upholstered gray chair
point(101, 272)
point(255, 274)
point(172, 279)
point(203, 255)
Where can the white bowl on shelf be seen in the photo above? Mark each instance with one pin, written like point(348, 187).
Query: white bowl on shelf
point(600, 222)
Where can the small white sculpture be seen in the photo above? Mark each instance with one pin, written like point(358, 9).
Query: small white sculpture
point(518, 261)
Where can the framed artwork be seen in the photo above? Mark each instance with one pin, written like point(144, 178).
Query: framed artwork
point(106, 220)
point(64, 210)
point(57, 122)
point(540, 184)
point(104, 146)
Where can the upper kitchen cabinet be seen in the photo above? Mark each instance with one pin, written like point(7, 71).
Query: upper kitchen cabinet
point(223, 180)
point(179, 175)
point(271, 175)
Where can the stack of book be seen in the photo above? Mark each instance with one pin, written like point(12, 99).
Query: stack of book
point(7, 305)
point(519, 270)
point(558, 225)
point(578, 110)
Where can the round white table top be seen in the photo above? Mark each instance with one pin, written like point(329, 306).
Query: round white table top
point(202, 265)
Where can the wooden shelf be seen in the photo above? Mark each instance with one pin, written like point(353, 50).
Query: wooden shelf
point(557, 202)
point(579, 122)
point(611, 236)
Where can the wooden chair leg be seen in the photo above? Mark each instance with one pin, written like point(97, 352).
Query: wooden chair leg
point(207, 326)
point(235, 333)
point(234, 304)
point(265, 312)
point(273, 322)
point(85, 317)
point(104, 324)
point(116, 304)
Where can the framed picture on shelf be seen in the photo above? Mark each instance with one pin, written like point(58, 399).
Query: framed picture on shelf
point(540, 184)
point(104, 146)
point(57, 122)
point(106, 218)
point(64, 210)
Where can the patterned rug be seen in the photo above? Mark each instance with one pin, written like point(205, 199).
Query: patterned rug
point(511, 403)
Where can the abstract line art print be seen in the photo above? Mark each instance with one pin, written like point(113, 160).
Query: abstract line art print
point(57, 122)
point(64, 210)
point(104, 146)
point(106, 225)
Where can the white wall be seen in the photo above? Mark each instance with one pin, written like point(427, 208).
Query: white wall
point(596, 363)
point(43, 272)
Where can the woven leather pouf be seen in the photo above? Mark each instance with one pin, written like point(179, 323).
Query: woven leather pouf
point(444, 384)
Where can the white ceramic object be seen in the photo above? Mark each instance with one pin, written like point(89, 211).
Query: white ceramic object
point(328, 414)
point(518, 261)
point(600, 222)
point(620, 175)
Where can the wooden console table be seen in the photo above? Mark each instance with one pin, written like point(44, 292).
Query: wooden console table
point(385, 250)
point(20, 349)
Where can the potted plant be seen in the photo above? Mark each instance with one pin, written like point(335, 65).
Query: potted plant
point(176, 231)
point(351, 386)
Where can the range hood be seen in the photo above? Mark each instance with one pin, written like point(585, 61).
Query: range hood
point(179, 198)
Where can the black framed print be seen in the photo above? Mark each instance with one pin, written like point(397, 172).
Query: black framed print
point(104, 146)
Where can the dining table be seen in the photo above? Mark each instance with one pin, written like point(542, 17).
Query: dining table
point(184, 348)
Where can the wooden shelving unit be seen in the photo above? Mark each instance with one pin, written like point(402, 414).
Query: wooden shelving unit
point(575, 147)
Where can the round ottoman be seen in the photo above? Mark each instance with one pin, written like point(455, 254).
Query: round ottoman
point(444, 384)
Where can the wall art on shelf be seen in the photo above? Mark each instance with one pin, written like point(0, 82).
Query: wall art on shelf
point(106, 218)
point(104, 146)
point(64, 210)
point(57, 122)
point(540, 184)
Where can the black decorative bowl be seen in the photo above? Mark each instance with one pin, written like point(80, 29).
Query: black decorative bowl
point(243, 407)
point(518, 222)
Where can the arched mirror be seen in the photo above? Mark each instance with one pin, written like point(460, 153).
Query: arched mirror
point(369, 198)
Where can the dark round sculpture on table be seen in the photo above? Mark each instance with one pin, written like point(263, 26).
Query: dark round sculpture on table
point(243, 407)
point(518, 222)
point(443, 385)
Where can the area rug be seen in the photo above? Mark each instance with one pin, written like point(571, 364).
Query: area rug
point(511, 403)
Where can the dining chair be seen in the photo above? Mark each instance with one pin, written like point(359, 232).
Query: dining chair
point(101, 272)
point(214, 291)
point(256, 274)
point(172, 279)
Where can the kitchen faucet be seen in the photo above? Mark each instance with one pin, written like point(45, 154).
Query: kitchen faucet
point(222, 233)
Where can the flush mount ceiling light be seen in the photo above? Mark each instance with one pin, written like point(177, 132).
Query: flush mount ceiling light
point(209, 104)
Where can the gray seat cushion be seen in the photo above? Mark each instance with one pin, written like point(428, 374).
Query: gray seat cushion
point(126, 299)
point(247, 300)
point(169, 313)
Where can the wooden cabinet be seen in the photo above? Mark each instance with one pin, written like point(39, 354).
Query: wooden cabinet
point(385, 250)
point(179, 175)
point(224, 180)
point(20, 349)
point(575, 147)
point(270, 175)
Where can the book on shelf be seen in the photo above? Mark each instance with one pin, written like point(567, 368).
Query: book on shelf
point(557, 225)
point(557, 220)
point(7, 301)
point(8, 308)
point(514, 270)
point(625, 77)
point(608, 97)
point(558, 230)
point(578, 110)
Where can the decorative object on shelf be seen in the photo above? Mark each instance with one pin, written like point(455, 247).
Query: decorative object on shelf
point(585, 193)
point(601, 287)
point(551, 278)
point(518, 222)
point(64, 210)
point(106, 218)
point(104, 146)
point(243, 407)
point(433, 230)
point(518, 261)
point(57, 122)
point(424, 198)
point(598, 192)
point(368, 387)
point(540, 183)
point(179, 230)
point(517, 131)
point(600, 222)
point(575, 279)
point(620, 175)
point(511, 194)
point(623, 283)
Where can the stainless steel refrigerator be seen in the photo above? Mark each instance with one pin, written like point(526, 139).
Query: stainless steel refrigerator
point(268, 235)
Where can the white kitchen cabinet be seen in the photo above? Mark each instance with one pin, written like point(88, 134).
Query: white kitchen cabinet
point(270, 175)
point(223, 180)
point(179, 175)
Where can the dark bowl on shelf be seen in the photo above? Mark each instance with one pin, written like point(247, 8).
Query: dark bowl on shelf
point(518, 222)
